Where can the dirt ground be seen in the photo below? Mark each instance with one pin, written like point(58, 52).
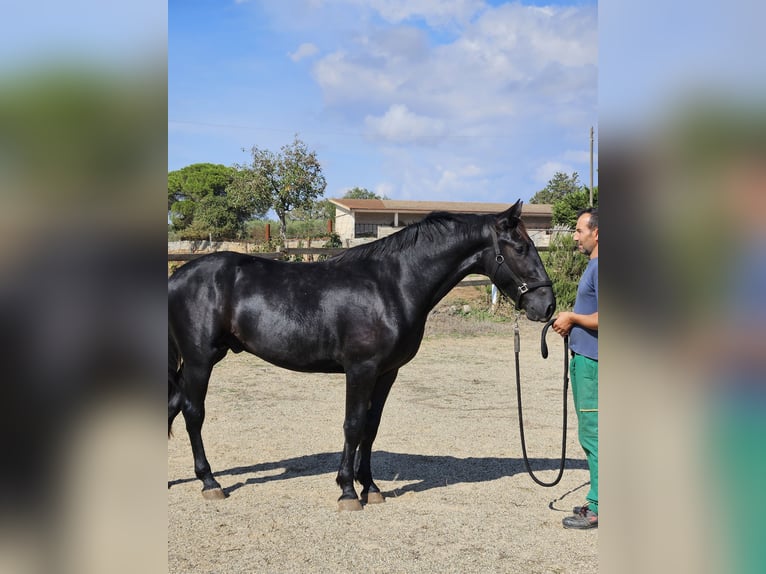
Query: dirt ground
point(448, 459)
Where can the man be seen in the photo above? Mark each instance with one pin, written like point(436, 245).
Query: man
point(581, 325)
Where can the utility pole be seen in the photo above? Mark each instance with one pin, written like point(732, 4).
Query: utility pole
point(591, 166)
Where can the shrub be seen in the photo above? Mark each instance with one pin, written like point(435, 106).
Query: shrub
point(565, 266)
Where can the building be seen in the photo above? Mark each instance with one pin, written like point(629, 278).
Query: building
point(362, 220)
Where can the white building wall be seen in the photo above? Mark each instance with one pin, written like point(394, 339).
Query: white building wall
point(344, 224)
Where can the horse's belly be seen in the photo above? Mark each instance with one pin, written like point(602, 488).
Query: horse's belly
point(317, 366)
point(296, 358)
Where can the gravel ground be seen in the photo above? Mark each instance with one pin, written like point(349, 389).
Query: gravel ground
point(447, 457)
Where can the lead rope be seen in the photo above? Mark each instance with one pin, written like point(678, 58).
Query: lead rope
point(544, 351)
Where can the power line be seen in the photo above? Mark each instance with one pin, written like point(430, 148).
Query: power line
point(373, 135)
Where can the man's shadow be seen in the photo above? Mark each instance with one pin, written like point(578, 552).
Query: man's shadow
point(420, 472)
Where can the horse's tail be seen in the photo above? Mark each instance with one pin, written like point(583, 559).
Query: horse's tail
point(175, 392)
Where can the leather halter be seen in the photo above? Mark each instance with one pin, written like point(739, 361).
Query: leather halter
point(521, 286)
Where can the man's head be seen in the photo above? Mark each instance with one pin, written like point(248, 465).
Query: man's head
point(586, 232)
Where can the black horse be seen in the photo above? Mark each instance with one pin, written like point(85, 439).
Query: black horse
point(361, 313)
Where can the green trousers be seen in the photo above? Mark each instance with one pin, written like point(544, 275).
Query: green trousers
point(735, 445)
point(584, 376)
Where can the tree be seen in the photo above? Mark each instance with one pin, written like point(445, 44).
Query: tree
point(215, 214)
point(308, 222)
point(189, 185)
point(557, 188)
point(362, 193)
point(325, 210)
point(565, 209)
point(285, 181)
point(564, 263)
point(202, 203)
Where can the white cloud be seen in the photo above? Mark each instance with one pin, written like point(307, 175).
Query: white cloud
point(463, 82)
point(546, 171)
point(305, 50)
point(384, 189)
point(577, 156)
point(457, 178)
point(512, 63)
point(399, 124)
point(434, 12)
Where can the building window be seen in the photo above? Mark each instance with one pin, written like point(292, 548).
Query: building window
point(366, 229)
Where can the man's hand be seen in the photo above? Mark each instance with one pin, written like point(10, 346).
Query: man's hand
point(567, 319)
point(563, 323)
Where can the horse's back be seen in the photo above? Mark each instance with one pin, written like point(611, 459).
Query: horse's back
point(215, 270)
point(212, 263)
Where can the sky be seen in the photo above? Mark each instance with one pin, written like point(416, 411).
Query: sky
point(451, 100)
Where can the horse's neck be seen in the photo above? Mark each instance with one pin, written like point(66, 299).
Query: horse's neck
point(438, 269)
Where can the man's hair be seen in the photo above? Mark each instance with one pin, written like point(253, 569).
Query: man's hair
point(593, 212)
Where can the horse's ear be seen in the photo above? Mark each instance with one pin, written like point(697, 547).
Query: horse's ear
point(509, 218)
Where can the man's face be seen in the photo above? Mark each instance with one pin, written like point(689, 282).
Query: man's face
point(586, 238)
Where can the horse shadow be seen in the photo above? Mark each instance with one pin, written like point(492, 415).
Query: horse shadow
point(419, 472)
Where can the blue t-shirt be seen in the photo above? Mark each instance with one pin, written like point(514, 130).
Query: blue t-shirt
point(581, 340)
point(741, 376)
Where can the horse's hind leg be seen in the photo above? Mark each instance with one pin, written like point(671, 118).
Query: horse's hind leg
point(370, 492)
point(175, 395)
point(196, 379)
point(175, 398)
point(359, 388)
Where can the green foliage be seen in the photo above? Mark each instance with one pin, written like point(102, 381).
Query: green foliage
point(216, 217)
point(362, 193)
point(324, 210)
point(565, 266)
point(198, 180)
point(182, 213)
point(306, 228)
point(557, 188)
point(77, 133)
point(334, 242)
point(202, 203)
point(565, 209)
point(255, 232)
point(311, 221)
point(285, 181)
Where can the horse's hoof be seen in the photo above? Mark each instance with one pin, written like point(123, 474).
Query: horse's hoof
point(213, 494)
point(373, 498)
point(348, 504)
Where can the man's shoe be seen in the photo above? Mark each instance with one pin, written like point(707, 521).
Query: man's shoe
point(578, 510)
point(583, 521)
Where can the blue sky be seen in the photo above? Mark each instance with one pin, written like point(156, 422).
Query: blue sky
point(459, 100)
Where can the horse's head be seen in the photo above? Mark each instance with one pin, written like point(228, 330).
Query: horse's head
point(514, 265)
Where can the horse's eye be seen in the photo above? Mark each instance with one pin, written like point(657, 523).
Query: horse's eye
point(519, 248)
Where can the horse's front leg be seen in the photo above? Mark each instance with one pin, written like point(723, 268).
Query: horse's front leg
point(359, 386)
point(370, 492)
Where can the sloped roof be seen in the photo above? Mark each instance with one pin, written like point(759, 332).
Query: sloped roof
point(391, 205)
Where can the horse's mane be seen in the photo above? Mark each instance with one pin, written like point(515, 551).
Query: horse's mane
point(435, 226)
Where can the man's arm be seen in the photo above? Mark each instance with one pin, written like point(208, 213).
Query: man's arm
point(567, 319)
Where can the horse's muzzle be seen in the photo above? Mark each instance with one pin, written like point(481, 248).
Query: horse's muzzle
point(539, 304)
